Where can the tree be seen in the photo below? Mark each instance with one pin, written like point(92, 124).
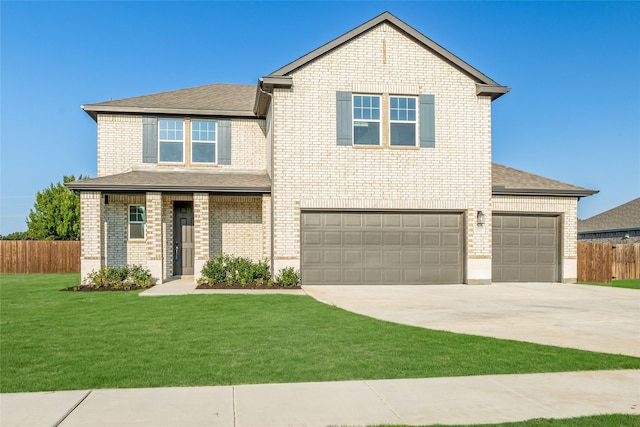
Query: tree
point(16, 235)
point(56, 213)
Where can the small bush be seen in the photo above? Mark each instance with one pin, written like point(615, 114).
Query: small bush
point(123, 278)
point(229, 269)
point(288, 277)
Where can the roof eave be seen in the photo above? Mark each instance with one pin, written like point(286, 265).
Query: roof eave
point(94, 109)
point(264, 88)
point(86, 186)
point(609, 230)
point(494, 91)
point(500, 190)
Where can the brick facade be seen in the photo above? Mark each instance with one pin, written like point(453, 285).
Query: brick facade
point(311, 171)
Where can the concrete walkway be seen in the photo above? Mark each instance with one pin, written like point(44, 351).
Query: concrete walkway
point(594, 318)
point(457, 400)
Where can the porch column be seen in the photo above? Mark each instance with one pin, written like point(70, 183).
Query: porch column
point(200, 232)
point(91, 223)
point(154, 234)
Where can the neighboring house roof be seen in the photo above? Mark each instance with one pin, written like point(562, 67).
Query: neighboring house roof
point(223, 182)
point(216, 100)
point(621, 218)
point(486, 86)
point(509, 181)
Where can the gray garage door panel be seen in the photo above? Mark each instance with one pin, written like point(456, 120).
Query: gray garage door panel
point(381, 248)
point(525, 248)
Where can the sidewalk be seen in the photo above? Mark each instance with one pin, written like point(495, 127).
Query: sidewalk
point(456, 400)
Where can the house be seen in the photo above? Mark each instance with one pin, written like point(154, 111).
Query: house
point(618, 225)
point(365, 161)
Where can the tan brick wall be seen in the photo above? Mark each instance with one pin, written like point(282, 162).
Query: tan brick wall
point(312, 171)
point(236, 226)
point(118, 248)
point(120, 145)
point(201, 224)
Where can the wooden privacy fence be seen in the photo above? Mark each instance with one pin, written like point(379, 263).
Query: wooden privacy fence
point(604, 262)
point(39, 256)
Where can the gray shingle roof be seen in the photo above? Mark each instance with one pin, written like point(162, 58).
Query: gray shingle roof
point(623, 217)
point(510, 181)
point(215, 99)
point(190, 181)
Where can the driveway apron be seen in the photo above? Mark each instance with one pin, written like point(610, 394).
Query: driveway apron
point(593, 318)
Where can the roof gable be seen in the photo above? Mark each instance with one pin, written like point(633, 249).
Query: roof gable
point(623, 217)
point(485, 85)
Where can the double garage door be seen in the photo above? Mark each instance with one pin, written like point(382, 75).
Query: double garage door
point(421, 248)
point(354, 248)
point(525, 248)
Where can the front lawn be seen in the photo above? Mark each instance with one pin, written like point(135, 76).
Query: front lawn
point(629, 284)
point(53, 340)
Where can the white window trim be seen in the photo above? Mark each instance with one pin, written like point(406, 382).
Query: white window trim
point(204, 142)
point(354, 120)
point(415, 122)
point(144, 223)
point(171, 140)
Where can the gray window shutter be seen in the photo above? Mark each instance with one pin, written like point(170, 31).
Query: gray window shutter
point(427, 122)
point(344, 123)
point(149, 139)
point(224, 142)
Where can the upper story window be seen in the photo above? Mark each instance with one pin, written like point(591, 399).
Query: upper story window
point(137, 220)
point(366, 119)
point(171, 140)
point(402, 121)
point(203, 141)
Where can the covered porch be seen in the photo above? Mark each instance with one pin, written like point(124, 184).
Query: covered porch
point(172, 222)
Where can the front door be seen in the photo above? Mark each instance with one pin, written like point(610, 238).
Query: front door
point(183, 247)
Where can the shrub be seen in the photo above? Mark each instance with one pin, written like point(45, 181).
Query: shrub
point(124, 278)
point(288, 277)
point(229, 269)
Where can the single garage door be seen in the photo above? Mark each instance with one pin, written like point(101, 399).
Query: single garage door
point(369, 248)
point(525, 248)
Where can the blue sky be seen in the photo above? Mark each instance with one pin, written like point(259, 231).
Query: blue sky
point(573, 113)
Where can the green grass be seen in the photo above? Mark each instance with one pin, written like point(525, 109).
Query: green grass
point(615, 420)
point(53, 340)
point(629, 284)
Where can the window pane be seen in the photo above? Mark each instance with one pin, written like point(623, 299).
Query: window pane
point(366, 133)
point(412, 115)
point(403, 134)
point(357, 101)
point(204, 153)
point(136, 231)
point(203, 130)
point(394, 102)
point(411, 103)
point(375, 101)
point(171, 152)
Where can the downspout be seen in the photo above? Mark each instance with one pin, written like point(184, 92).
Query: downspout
point(272, 220)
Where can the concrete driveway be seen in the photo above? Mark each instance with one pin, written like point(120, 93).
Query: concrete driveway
point(585, 317)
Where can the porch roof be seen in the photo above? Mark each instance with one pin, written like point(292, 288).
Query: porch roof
point(178, 181)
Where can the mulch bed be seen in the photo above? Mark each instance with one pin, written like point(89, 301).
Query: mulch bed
point(85, 288)
point(261, 287)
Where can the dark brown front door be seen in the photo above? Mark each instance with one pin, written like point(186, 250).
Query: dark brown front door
point(183, 247)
